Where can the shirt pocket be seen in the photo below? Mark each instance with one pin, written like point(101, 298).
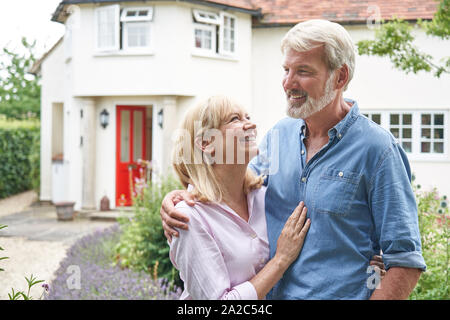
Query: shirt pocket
point(335, 191)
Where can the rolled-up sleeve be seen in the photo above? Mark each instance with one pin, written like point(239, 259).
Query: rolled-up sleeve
point(394, 211)
point(202, 268)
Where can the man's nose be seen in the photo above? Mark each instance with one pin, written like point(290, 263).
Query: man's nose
point(289, 81)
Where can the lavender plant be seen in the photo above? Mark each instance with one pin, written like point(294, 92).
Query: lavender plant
point(100, 278)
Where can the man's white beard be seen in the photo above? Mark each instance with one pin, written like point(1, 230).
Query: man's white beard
point(311, 105)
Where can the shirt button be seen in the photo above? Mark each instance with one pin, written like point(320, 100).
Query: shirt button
point(341, 174)
point(339, 135)
point(253, 235)
point(303, 151)
point(303, 179)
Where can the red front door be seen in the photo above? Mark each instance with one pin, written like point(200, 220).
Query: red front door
point(131, 146)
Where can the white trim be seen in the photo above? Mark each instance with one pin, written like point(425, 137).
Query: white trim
point(206, 17)
point(116, 11)
point(222, 27)
point(416, 127)
point(209, 28)
point(148, 17)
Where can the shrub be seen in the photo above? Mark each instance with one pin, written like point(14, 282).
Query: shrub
point(16, 141)
point(100, 278)
point(142, 245)
point(434, 225)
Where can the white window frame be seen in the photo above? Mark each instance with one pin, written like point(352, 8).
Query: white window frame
point(370, 115)
point(222, 50)
point(116, 9)
point(210, 28)
point(148, 17)
point(416, 154)
point(126, 47)
point(212, 18)
point(400, 126)
point(431, 126)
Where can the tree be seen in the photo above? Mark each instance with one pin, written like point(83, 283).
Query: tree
point(395, 40)
point(20, 92)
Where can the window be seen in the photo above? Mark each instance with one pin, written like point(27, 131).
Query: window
point(214, 33)
point(107, 28)
point(422, 134)
point(227, 34)
point(400, 125)
point(205, 37)
point(126, 29)
point(375, 117)
point(432, 133)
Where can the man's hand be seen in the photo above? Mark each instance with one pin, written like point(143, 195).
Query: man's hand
point(171, 218)
point(377, 262)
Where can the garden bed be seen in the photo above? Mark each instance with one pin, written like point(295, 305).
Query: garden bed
point(89, 272)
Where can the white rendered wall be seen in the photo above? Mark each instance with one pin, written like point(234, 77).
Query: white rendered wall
point(52, 92)
point(171, 69)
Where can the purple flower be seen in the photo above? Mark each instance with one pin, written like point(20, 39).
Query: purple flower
point(46, 287)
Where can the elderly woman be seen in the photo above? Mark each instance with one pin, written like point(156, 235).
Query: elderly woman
point(225, 252)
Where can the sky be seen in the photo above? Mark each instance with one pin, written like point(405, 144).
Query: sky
point(29, 18)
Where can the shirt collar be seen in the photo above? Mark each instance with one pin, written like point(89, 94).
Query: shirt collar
point(342, 126)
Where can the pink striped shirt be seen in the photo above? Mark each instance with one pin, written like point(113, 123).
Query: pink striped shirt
point(221, 252)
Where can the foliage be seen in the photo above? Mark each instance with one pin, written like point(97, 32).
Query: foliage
point(20, 92)
point(434, 225)
point(35, 163)
point(16, 141)
point(394, 39)
point(143, 245)
point(32, 281)
point(1, 249)
point(100, 278)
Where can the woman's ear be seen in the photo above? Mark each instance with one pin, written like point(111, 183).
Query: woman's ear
point(205, 145)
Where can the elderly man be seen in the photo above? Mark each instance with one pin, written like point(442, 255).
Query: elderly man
point(352, 175)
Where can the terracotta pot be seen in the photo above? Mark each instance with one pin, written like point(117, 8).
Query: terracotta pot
point(64, 210)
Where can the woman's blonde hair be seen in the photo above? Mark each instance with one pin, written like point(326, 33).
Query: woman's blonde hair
point(194, 169)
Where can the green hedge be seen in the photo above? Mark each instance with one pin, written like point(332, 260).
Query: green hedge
point(17, 156)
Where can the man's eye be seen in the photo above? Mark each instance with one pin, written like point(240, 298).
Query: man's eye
point(234, 118)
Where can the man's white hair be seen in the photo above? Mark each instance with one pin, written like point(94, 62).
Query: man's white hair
point(339, 47)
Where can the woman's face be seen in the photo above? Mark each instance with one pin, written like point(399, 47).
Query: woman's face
point(239, 138)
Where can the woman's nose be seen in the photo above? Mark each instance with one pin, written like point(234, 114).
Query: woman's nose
point(249, 125)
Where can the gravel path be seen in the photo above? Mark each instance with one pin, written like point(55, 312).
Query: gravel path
point(35, 241)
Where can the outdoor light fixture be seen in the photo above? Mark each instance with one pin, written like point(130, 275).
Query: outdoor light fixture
point(160, 118)
point(104, 118)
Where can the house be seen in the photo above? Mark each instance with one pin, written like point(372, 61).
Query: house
point(115, 87)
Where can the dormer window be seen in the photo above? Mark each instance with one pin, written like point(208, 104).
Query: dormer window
point(214, 33)
point(127, 29)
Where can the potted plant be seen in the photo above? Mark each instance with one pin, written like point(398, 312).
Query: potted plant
point(64, 210)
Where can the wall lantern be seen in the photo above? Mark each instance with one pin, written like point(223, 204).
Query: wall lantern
point(160, 118)
point(104, 118)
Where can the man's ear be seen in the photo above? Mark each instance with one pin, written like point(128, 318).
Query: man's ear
point(342, 77)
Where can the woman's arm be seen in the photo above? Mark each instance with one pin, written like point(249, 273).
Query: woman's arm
point(289, 245)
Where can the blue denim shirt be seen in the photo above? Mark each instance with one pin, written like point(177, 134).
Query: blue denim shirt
point(359, 198)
